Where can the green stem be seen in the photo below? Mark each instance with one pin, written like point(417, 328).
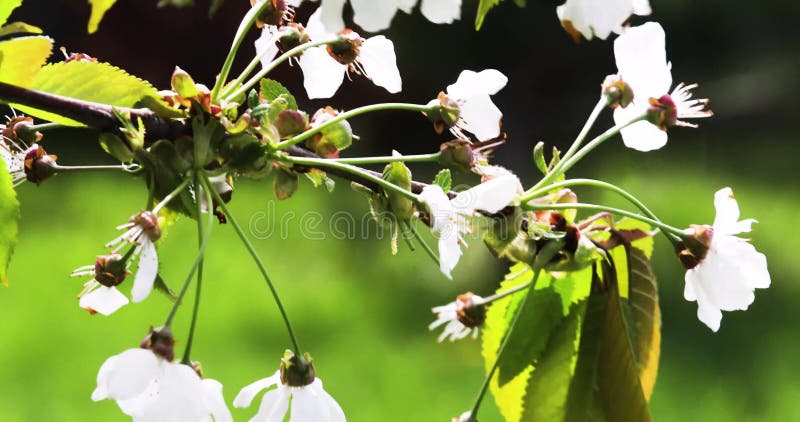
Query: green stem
point(245, 73)
point(282, 58)
point(258, 262)
point(600, 208)
point(487, 381)
point(324, 162)
point(594, 183)
point(198, 260)
point(171, 195)
point(598, 108)
point(77, 168)
point(247, 22)
point(190, 341)
point(352, 113)
point(420, 158)
point(422, 242)
point(44, 126)
point(565, 165)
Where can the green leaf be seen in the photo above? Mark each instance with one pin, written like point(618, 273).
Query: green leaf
point(483, 8)
point(271, 90)
point(9, 221)
point(19, 28)
point(95, 82)
point(444, 179)
point(6, 7)
point(99, 9)
point(21, 58)
point(644, 244)
point(161, 286)
point(284, 184)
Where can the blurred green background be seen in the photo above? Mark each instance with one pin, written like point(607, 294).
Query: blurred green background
point(363, 313)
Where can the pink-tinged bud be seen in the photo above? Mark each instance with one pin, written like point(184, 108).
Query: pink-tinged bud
point(444, 114)
point(470, 310)
point(273, 14)
point(616, 91)
point(18, 129)
point(38, 165)
point(345, 51)
point(297, 371)
point(110, 270)
point(183, 84)
point(693, 248)
point(333, 138)
point(148, 221)
point(161, 342)
point(291, 122)
point(662, 112)
point(457, 155)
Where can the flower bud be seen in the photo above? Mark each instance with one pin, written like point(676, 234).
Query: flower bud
point(290, 123)
point(662, 112)
point(457, 155)
point(297, 371)
point(345, 51)
point(148, 221)
point(444, 114)
point(183, 84)
point(18, 129)
point(273, 14)
point(333, 138)
point(398, 174)
point(38, 165)
point(693, 248)
point(160, 342)
point(110, 270)
point(616, 92)
point(470, 310)
point(293, 35)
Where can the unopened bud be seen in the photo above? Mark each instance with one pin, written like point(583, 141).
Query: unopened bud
point(616, 91)
point(444, 112)
point(457, 155)
point(183, 84)
point(18, 129)
point(291, 122)
point(38, 165)
point(333, 138)
point(148, 221)
point(297, 371)
point(160, 342)
point(110, 270)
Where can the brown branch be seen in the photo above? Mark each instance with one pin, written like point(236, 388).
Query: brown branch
point(101, 117)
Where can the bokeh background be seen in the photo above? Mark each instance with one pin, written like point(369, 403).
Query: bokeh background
point(362, 312)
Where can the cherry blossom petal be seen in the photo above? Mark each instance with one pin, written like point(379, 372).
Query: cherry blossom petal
point(215, 400)
point(146, 273)
point(641, 58)
point(380, 63)
point(373, 15)
point(307, 406)
point(126, 375)
point(334, 412)
point(600, 18)
point(449, 250)
point(330, 14)
point(273, 407)
point(441, 11)
point(481, 117)
point(104, 300)
point(438, 203)
point(249, 392)
point(641, 136)
point(322, 75)
point(470, 83)
point(491, 196)
point(266, 47)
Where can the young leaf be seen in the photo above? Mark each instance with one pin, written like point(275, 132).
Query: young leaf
point(6, 7)
point(270, 90)
point(643, 318)
point(99, 9)
point(95, 82)
point(483, 8)
point(19, 28)
point(444, 179)
point(21, 58)
point(9, 221)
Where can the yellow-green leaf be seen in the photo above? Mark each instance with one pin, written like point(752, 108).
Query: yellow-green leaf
point(9, 221)
point(99, 9)
point(6, 7)
point(21, 58)
point(19, 28)
point(95, 82)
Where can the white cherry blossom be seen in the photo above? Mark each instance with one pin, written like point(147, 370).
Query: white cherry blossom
point(641, 58)
point(13, 155)
point(466, 308)
point(449, 217)
point(310, 403)
point(323, 73)
point(478, 114)
point(100, 294)
point(599, 18)
point(377, 15)
point(725, 279)
point(141, 231)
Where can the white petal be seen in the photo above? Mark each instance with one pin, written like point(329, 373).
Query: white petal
point(273, 406)
point(380, 63)
point(491, 81)
point(146, 274)
point(642, 136)
point(641, 58)
point(481, 117)
point(600, 18)
point(490, 196)
point(266, 48)
point(441, 11)
point(104, 300)
point(373, 15)
point(215, 401)
point(129, 374)
point(322, 74)
point(307, 406)
point(727, 209)
point(101, 392)
point(449, 250)
point(330, 14)
point(406, 5)
point(180, 397)
point(249, 392)
point(331, 409)
point(439, 207)
point(471, 83)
